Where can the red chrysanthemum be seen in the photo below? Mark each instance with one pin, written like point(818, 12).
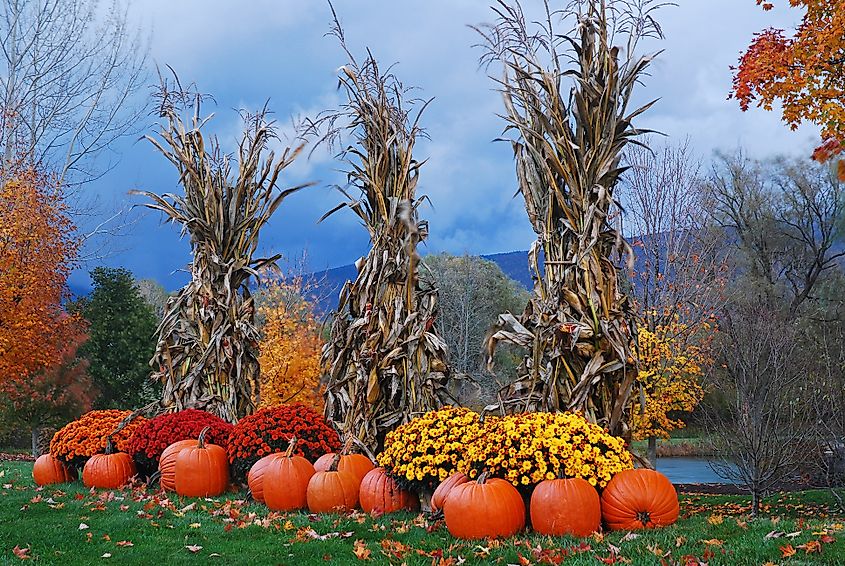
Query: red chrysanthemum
point(150, 439)
point(268, 430)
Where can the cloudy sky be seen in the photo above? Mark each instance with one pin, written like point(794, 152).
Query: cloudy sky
point(246, 53)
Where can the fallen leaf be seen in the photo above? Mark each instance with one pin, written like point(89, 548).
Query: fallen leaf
point(629, 536)
point(827, 539)
point(193, 548)
point(195, 525)
point(811, 546)
point(22, 553)
point(774, 534)
point(713, 542)
point(106, 555)
point(359, 548)
point(787, 551)
point(82, 526)
point(716, 519)
point(124, 543)
point(793, 535)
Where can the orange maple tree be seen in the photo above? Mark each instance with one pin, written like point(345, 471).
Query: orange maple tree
point(54, 395)
point(290, 346)
point(803, 71)
point(37, 250)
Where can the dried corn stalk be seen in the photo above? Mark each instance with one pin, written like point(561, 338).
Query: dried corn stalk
point(578, 326)
point(385, 359)
point(207, 350)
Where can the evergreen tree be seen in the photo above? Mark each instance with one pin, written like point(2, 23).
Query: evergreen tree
point(121, 340)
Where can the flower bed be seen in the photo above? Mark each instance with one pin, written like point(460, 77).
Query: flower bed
point(268, 430)
point(78, 440)
point(425, 451)
point(153, 436)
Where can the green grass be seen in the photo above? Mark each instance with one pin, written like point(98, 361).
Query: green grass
point(48, 523)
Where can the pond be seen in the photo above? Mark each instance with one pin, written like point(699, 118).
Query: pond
point(689, 470)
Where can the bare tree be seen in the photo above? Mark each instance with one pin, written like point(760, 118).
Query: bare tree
point(473, 292)
point(681, 264)
point(786, 219)
point(72, 69)
point(761, 434)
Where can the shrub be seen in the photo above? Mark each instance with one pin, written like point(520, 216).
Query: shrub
point(153, 436)
point(268, 430)
point(80, 439)
point(428, 449)
point(530, 447)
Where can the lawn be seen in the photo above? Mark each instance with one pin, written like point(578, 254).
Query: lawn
point(73, 525)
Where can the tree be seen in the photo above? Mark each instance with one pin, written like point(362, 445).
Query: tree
point(678, 283)
point(785, 219)
point(386, 359)
point(206, 356)
point(669, 381)
point(37, 250)
point(567, 114)
point(802, 72)
point(71, 72)
point(52, 396)
point(121, 340)
point(154, 294)
point(760, 438)
point(473, 291)
point(291, 344)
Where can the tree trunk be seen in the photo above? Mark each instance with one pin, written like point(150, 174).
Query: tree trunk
point(755, 503)
point(652, 450)
point(35, 451)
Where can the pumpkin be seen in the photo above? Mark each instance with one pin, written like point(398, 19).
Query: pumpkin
point(486, 508)
point(639, 499)
point(202, 470)
point(48, 470)
point(167, 463)
point(442, 491)
point(255, 477)
point(356, 464)
point(565, 507)
point(110, 470)
point(380, 493)
point(286, 479)
point(332, 490)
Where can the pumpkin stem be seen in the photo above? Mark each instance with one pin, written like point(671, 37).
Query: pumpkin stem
point(201, 439)
point(335, 462)
point(291, 445)
point(482, 477)
point(109, 445)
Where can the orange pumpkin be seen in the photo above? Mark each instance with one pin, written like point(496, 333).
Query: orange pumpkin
point(639, 499)
point(379, 493)
point(255, 477)
point(108, 471)
point(486, 508)
point(202, 470)
point(167, 463)
point(356, 464)
point(565, 507)
point(286, 478)
point(442, 491)
point(332, 490)
point(48, 470)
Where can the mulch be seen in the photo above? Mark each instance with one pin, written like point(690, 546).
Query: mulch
point(16, 457)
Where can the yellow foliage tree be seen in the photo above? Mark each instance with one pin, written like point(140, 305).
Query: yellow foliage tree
point(290, 346)
point(670, 373)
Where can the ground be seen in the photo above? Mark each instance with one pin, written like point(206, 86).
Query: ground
point(69, 524)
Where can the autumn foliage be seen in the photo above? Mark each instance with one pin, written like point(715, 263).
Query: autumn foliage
point(290, 346)
point(669, 378)
point(51, 396)
point(803, 71)
point(37, 248)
